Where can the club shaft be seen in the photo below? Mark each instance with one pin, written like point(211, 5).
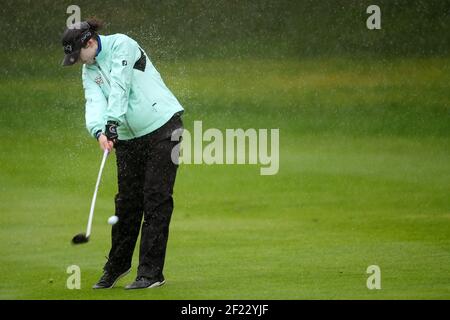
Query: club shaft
point(91, 212)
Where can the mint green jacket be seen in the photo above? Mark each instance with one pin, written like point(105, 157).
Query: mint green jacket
point(124, 86)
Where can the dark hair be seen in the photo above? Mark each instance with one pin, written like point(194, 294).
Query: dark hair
point(95, 24)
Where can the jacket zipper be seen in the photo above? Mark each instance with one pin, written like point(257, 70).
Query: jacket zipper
point(109, 84)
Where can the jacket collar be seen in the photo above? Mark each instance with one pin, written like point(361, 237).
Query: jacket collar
point(99, 46)
point(102, 46)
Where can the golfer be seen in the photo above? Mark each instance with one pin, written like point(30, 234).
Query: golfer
point(130, 109)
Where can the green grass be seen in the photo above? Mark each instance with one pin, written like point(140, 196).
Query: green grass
point(364, 179)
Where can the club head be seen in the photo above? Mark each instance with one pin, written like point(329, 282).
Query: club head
point(80, 238)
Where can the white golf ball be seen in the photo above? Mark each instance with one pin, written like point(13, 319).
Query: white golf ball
point(113, 220)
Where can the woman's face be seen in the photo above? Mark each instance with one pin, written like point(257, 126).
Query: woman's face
point(87, 54)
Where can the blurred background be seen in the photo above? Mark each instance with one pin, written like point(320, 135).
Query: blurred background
point(221, 29)
point(364, 148)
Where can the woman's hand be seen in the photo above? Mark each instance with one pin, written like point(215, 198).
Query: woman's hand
point(104, 143)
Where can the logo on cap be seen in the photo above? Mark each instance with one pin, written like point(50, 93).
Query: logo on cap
point(85, 35)
point(68, 48)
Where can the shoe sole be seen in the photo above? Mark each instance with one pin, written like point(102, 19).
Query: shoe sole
point(157, 284)
point(153, 285)
point(118, 278)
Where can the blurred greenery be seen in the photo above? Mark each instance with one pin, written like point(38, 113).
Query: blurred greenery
point(364, 149)
point(176, 29)
point(364, 176)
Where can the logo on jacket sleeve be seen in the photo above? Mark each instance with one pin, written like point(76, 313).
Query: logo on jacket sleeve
point(98, 80)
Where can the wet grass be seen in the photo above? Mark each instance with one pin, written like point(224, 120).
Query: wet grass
point(364, 180)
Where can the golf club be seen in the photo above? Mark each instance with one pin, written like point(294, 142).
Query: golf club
point(84, 237)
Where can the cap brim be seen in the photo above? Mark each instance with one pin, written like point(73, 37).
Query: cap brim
point(70, 59)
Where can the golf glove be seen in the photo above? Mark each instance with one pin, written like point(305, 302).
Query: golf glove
point(111, 131)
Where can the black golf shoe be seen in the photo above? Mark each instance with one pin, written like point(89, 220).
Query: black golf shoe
point(145, 283)
point(108, 279)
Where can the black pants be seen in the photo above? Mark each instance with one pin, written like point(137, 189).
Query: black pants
point(146, 176)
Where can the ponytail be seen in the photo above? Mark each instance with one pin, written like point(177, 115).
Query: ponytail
point(95, 24)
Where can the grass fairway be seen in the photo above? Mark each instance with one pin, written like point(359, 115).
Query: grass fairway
point(364, 180)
